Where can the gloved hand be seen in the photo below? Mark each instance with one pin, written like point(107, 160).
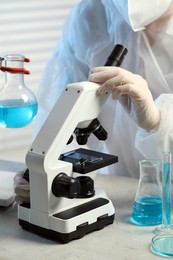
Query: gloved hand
point(132, 91)
point(21, 188)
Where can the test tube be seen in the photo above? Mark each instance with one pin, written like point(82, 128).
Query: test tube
point(166, 226)
point(162, 243)
point(166, 189)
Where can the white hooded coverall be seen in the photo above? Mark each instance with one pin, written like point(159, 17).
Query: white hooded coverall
point(91, 31)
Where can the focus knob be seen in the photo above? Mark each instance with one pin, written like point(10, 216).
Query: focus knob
point(65, 186)
point(87, 187)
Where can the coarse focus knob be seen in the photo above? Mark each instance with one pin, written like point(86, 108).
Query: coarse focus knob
point(65, 186)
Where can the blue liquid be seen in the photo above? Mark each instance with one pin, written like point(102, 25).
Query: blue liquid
point(16, 113)
point(166, 186)
point(147, 211)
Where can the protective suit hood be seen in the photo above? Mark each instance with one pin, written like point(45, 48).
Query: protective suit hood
point(138, 13)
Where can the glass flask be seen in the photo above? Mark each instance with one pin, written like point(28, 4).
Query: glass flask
point(18, 104)
point(147, 208)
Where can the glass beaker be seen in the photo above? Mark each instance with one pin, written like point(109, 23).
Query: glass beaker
point(147, 208)
point(18, 104)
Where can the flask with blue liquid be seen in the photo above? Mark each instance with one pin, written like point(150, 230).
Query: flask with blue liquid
point(147, 208)
point(18, 104)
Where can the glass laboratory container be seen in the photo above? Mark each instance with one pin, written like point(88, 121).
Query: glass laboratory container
point(162, 243)
point(166, 226)
point(147, 208)
point(18, 105)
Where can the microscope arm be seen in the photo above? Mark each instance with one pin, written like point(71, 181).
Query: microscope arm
point(79, 102)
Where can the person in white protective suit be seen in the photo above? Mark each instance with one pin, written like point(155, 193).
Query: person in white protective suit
point(92, 30)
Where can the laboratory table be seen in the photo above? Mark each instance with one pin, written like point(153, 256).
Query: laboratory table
point(118, 241)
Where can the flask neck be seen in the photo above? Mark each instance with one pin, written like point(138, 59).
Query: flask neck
point(149, 168)
point(14, 75)
point(149, 182)
point(14, 80)
point(14, 61)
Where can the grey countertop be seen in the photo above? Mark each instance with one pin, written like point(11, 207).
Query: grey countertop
point(120, 240)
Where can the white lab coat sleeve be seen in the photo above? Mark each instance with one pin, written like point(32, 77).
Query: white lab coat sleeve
point(151, 145)
point(140, 13)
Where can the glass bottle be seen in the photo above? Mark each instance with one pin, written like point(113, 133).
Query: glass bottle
point(147, 208)
point(18, 104)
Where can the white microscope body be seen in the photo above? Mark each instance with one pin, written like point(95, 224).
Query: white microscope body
point(57, 217)
point(62, 206)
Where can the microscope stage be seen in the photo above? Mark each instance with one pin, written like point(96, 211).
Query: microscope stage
point(85, 161)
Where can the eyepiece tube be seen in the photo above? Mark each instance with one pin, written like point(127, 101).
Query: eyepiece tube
point(117, 56)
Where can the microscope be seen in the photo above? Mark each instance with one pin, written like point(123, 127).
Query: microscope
point(64, 203)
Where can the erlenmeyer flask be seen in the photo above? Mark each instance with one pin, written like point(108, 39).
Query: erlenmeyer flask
point(18, 104)
point(147, 208)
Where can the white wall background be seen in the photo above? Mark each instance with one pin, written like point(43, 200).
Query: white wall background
point(31, 28)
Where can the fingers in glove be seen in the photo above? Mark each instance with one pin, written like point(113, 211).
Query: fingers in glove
point(120, 85)
point(19, 179)
point(21, 188)
point(101, 74)
point(21, 192)
point(111, 78)
point(21, 184)
point(111, 85)
point(19, 199)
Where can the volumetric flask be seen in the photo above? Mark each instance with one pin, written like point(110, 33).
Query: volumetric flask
point(18, 105)
point(147, 208)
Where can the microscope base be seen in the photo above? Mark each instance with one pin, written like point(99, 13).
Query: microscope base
point(76, 222)
point(66, 237)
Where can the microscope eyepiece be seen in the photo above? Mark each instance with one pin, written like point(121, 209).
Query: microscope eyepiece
point(117, 56)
